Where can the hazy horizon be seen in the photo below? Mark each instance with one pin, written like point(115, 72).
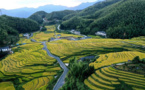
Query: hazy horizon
point(14, 4)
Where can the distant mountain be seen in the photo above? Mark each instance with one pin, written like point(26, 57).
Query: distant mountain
point(21, 12)
point(26, 12)
point(83, 6)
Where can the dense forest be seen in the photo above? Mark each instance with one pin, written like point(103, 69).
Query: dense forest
point(119, 18)
point(10, 27)
point(50, 17)
point(38, 16)
point(78, 72)
point(59, 14)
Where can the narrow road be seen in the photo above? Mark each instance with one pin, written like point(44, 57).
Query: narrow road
point(61, 80)
point(58, 27)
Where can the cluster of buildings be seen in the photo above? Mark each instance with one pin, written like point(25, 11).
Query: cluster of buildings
point(6, 49)
point(75, 32)
point(28, 35)
point(101, 33)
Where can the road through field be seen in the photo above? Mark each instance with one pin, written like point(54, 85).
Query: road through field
point(61, 80)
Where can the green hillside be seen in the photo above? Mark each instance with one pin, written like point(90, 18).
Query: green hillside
point(119, 18)
point(10, 27)
point(51, 17)
point(59, 14)
point(38, 16)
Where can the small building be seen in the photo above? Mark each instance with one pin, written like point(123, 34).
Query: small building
point(101, 33)
point(73, 31)
point(26, 35)
point(5, 49)
point(77, 32)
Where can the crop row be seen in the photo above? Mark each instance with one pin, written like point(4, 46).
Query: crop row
point(107, 78)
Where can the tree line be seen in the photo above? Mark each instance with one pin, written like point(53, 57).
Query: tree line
point(10, 27)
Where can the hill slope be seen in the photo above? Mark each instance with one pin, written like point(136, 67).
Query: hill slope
point(38, 16)
point(52, 17)
point(119, 18)
point(10, 28)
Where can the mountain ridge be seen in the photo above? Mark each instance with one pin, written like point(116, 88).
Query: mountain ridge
point(26, 12)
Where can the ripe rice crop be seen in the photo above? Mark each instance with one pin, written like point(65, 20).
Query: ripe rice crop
point(28, 63)
point(109, 74)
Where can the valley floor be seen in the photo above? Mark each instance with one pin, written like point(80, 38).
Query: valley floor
point(35, 66)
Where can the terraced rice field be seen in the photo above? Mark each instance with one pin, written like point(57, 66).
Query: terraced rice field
point(107, 78)
point(118, 57)
point(6, 86)
point(29, 66)
point(38, 83)
point(23, 40)
point(45, 36)
point(68, 49)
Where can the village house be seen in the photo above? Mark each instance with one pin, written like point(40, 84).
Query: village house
point(101, 33)
point(26, 35)
point(5, 49)
point(75, 32)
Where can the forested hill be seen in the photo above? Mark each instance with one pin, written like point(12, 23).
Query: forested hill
point(119, 18)
point(10, 27)
point(38, 16)
point(57, 15)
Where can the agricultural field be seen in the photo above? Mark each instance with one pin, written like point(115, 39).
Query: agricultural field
point(67, 49)
point(7, 86)
point(110, 78)
point(29, 68)
point(23, 40)
point(113, 58)
point(46, 35)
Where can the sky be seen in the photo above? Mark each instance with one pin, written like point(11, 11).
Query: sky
point(13, 4)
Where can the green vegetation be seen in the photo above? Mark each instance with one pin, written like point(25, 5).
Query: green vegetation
point(22, 25)
point(50, 18)
point(10, 27)
point(8, 35)
point(119, 18)
point(59, 14)
point(38, 16)
point(6, 86)
point(78, 72)
point(137, 65)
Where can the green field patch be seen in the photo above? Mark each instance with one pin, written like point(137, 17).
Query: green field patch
point(30, 71)
point(6, 86)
